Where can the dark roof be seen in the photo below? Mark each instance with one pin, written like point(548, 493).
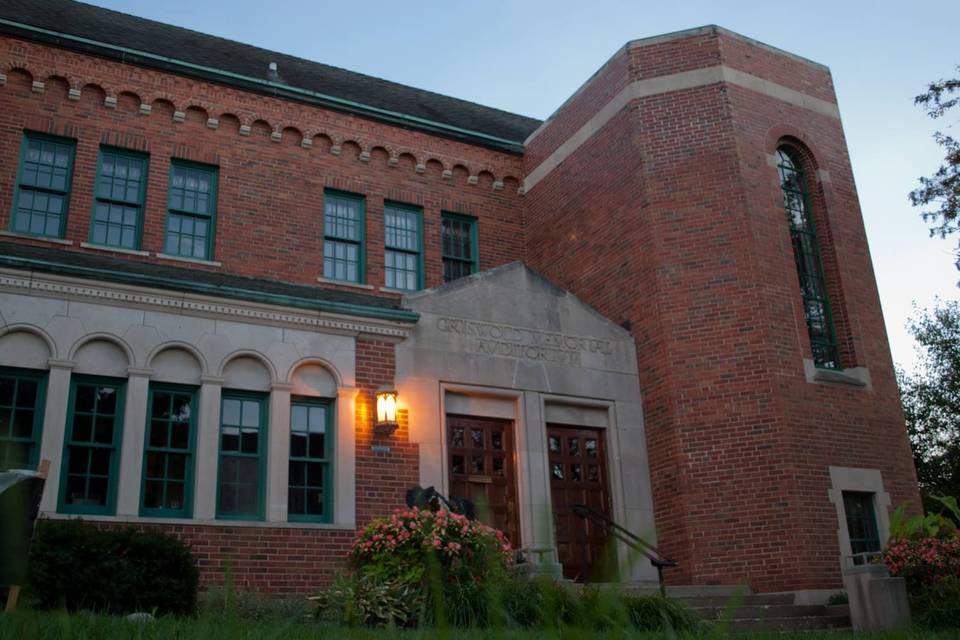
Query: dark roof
point(211, 283)
point(130, 32)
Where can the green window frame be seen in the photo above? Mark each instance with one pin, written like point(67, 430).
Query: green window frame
point(344, 216)
point(806, 253)
point(44, 179)
point(91, 448)
point(119, 195)
point(191, 210)
point(166, 489)
point(858, 506)
point(403, 247)
point(459, 246)
point(310, 480)
point(241, 472)
point(22, 401)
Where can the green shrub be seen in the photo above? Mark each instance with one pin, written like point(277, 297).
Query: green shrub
point(937, 605)
point(370, 601)
point(656, 613)
point(78, 566)
point(247, 605)
point(925, 551)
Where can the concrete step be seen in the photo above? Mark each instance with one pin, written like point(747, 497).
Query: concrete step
point(759, 599)
point(805, 623)
point(751, 612)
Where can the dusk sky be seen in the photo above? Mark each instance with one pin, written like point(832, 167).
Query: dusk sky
point(529, 56)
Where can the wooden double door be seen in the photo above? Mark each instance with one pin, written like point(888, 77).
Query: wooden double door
point(578, 475)
point(482, 469)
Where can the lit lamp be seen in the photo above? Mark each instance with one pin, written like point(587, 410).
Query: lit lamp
point(386, 411)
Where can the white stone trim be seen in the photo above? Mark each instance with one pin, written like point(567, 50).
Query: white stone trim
point(854, 377)
point(49, 285)
point(14, 234)
point(187, 522)
point(102, 247)
point(345, 283)
point(865, 480)
point(209, 263)
point(667, 84)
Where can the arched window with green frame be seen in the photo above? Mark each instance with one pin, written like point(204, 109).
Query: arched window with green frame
point(806, 253)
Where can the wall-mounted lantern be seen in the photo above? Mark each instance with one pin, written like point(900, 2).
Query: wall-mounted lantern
point(386, 411)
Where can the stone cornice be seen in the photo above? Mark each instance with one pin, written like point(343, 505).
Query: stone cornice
point(53, 286)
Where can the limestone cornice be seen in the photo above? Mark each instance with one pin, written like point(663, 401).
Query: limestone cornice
point(92, 291)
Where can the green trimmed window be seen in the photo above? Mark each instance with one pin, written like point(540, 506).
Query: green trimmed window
point(310, 490)
point(403, 257)
point(861, 522)
point(806, 253)
point(343, 234)
point(43, 186)
point(92, 445)
point(191, 210)
point(21, 417)
point(118, 206)
point(243, 447)
point(168, 453)
point(459, 246)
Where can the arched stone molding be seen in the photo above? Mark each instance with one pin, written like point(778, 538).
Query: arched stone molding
point(314, 377)
point(239, 371)
point(169, 363)
point(102, 354)
point(27, 346)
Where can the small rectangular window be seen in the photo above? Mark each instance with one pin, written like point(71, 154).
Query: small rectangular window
point(21, 417)
point(343, 236)
point(243, 446)
point(92, 446)
point(118, 199)
point(459, 246)
point(191, 210)
point(311, 441)
point(861, 522)
point(402, 239)
point(43, 186)
point(168, 460)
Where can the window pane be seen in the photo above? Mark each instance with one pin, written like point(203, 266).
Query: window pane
point(796, 201)
point(95, 422)
point(307, 467)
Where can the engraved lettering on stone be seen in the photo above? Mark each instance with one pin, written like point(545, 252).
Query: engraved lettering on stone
point(487, 338)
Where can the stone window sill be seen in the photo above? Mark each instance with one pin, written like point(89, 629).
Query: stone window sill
point(167, 256)
point(104, 247)
point(855, 377)
point(27, 236)
point(262, 524)
point(344, 283)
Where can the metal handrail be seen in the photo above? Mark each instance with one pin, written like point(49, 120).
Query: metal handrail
point(627, 537)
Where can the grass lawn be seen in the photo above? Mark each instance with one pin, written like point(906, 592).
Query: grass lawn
point(58, 625)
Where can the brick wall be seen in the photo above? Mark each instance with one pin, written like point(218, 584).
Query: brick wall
point(670, 218)
point(270, 205)
point(291, 560)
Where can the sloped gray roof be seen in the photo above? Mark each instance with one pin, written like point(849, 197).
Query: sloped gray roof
point(178, 44)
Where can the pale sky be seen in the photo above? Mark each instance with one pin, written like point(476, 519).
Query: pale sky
point(528, 56)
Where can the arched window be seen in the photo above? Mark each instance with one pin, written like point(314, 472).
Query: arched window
point(806, 252)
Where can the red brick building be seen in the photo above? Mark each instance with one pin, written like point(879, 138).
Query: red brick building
point(659, 303)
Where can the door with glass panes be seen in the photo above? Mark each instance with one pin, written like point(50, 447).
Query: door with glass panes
point(578, 475)
point(481, 463)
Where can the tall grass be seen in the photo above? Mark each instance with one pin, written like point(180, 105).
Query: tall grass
point(60, 625)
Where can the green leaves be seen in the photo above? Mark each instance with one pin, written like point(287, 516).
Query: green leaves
point(943, 187)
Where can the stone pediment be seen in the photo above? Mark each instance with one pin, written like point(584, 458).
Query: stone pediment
point(513, 314)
